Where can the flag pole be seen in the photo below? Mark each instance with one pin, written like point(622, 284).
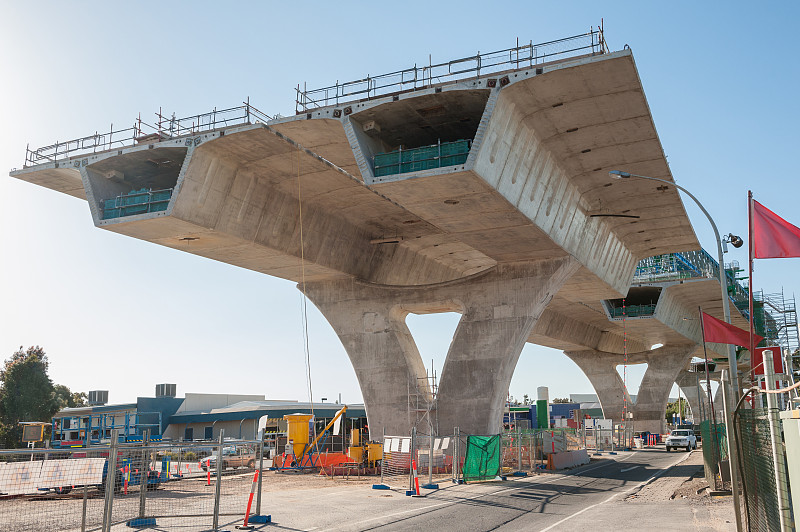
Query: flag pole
point(750, 275)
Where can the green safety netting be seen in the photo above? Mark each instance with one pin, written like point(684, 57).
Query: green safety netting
point(482, 461)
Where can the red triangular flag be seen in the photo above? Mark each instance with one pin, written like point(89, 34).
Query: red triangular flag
point(773, 237)
point(718, 331)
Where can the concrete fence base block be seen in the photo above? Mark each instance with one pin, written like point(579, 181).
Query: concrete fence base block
point(430, 486)
point(260, 519)
point(380, 487)
point(568, 459)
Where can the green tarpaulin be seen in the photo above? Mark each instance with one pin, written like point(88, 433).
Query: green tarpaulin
point(482, 461)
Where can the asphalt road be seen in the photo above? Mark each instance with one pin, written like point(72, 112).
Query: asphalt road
point(545, 502)
point(574, 500)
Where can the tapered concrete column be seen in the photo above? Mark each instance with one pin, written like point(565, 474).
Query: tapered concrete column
point(499, 308)
point(687, 381)
point(601, 369)
point(663, 366)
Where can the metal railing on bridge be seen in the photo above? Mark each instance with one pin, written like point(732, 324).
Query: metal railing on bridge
point(689, 265)
point(474, 66)
point(165, 127)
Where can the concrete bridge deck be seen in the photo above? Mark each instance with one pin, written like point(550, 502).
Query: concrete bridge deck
point(527, 238)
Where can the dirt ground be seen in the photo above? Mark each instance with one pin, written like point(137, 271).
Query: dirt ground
point(684, 485)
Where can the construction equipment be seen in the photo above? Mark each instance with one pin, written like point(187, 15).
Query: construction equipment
point(301, 454)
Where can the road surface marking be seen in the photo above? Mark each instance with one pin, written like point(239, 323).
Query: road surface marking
point(480, 495)
point(629, 469)
point(637, 486)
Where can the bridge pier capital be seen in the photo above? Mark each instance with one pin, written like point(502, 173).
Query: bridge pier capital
point(498, 311)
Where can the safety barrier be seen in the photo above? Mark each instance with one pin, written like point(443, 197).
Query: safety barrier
point(142, 484)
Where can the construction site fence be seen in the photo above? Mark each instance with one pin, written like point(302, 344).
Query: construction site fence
point(759, 487)
point(715, 452)
point(172, 485)
point(607, 440)
point(428, 455)
point(436, 458)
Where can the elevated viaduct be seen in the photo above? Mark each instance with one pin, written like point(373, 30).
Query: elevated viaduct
point(518, 227)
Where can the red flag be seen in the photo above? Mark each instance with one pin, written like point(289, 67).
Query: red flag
point(718, 331)
point(773, 237)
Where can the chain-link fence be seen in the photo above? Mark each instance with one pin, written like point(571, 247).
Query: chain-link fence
point(757, 470)
point(194, 486)
point(527, 450)
point(715, 451)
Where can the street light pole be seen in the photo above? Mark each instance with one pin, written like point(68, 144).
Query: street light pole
point(723, 278)
point(732, 363)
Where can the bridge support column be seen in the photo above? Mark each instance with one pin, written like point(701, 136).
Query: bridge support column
point(499, 309)
point(601, 369)
point(687, 381)
point(663, 366)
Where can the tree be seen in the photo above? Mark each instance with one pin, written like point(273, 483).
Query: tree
point(65, 398)
point(26, 394)
point(561, 400)
point(676, 407)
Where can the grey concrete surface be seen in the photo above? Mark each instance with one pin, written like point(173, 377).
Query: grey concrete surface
point(498, 309)
point(663, 366)
point(534, 190)
point(592, 497)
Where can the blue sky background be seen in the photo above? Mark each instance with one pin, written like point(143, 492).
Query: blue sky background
point(721, 79)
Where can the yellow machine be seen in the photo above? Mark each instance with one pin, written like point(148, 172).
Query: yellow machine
point(368, 453)
point(298, 431)
point(299, 434)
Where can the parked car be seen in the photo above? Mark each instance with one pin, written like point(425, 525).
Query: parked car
point(681, 439)
point(232, 456)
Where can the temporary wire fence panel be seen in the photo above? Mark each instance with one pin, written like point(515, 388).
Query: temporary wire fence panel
point(455, 454)
point(396, 463)
point(47, 490)
point(170, 483)
point(758, 475)
point(437, 467)
point(482, 460)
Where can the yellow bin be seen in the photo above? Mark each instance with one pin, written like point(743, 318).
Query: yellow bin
point(298, 431)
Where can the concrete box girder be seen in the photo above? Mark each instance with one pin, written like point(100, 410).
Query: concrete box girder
point(536, 175)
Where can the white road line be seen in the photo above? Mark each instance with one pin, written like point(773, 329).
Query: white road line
point(480, 495)
point(639, 485)
point(629, 469)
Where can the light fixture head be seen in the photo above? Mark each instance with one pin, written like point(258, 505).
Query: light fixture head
point(736, 241)
point(619, 174)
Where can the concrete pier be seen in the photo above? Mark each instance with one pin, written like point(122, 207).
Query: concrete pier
point(527, 236)
point(499, 308)
point(663, 366)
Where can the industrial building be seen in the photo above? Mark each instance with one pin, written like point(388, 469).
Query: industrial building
point(197, 416)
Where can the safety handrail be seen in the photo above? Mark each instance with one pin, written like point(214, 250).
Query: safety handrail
point(165, 127)
point(419, 77)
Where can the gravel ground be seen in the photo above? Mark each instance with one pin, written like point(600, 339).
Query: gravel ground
point(684, 487)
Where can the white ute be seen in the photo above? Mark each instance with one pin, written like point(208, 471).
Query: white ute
point(681, 439)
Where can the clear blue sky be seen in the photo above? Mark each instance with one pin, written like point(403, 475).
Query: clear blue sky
point(721, 79)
